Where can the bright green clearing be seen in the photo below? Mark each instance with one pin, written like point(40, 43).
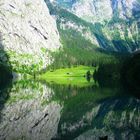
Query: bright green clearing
point(74, 76)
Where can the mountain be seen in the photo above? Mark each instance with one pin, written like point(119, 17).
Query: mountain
point(99, 10)
point(29, 38)
point(27, 35)
point(80, 46)
point(112, 25)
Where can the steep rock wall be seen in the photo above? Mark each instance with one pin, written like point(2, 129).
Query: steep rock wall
point(28, 33)
point(98, 10)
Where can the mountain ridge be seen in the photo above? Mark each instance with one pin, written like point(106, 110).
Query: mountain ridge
point(99, 10)
point(116, 34)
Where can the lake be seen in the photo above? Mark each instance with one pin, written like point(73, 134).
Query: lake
point(33, 110)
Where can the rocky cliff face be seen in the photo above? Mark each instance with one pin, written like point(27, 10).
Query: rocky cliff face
point(28, 33)
point(93, 10)
point(115, 24)
point(99, 10)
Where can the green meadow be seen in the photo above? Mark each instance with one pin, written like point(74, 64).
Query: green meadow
point(75, 76)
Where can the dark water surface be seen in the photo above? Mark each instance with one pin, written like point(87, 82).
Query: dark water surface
point(38, 111)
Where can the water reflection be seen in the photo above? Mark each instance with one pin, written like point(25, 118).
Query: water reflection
point(24, 115)
point(93, 113)
point(37, 111)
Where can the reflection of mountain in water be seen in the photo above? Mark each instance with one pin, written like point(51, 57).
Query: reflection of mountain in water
point(91, 113)
point(117, 119)
point(25, 117)
point(33, 112)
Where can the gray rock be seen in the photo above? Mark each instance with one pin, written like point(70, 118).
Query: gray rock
point(28, 33)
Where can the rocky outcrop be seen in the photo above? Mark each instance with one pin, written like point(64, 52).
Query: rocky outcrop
point(93, 10)
point(98, 10)
point(28, 33)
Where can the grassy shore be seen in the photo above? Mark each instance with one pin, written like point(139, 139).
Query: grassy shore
point(69, 76)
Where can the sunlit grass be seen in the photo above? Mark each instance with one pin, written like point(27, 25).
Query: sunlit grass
point(70, 76)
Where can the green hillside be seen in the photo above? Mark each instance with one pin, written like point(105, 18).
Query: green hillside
point(76, 48)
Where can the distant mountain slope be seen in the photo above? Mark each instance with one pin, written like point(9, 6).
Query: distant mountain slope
point(99, 10)
point(113, 34)
point(80, 45)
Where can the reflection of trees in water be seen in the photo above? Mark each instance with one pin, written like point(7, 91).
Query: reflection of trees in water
point(103, 110)
point(83, 108)
point(5, 76)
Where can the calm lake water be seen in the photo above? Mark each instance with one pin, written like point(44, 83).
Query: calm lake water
point(31, 110)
